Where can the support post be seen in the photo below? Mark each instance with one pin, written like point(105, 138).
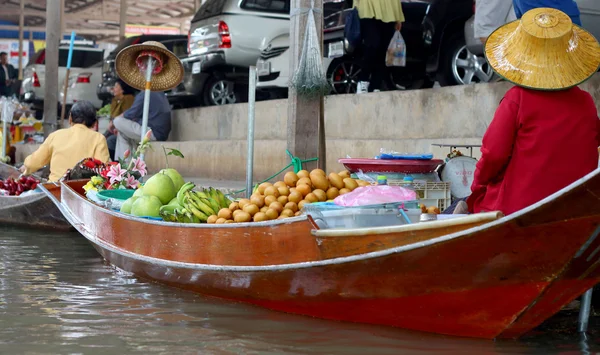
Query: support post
point(62, 19)
point(21, 25)
point(250, 139)
point(584, 311)
point(51, 76)
point(305, 128)
point(122, 19)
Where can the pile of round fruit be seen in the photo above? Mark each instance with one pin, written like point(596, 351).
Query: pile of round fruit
point(12, 187)
point(286, 198)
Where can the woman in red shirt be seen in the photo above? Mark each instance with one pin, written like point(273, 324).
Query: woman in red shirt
point(545, 133)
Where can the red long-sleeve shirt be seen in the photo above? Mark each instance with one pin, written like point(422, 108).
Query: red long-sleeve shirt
point(538, 143)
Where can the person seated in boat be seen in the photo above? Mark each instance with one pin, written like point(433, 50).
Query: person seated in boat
point(65, 147)
point(545, 133)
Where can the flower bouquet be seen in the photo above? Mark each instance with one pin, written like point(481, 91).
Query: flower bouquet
point(122, 174)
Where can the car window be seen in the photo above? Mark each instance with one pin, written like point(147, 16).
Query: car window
point(277, 6)
point(81, 58)
point(209, 9)
point(180, 48)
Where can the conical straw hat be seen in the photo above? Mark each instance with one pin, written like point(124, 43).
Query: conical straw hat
point(543, 51)
point(131, 63)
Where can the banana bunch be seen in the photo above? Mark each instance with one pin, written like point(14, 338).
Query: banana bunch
point(194, 206)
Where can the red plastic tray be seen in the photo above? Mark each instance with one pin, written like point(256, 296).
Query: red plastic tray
point(391, 166)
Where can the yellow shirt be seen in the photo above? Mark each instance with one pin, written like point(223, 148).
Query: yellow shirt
point(384, 10)
point(65, 148)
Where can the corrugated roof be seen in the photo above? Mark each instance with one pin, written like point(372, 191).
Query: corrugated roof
point(99, 19)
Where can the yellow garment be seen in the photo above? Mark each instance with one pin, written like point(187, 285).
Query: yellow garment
point(118, 106)
point(65, 148)
point(383, 10)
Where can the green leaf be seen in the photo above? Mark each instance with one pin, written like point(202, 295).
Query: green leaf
point(175, 152)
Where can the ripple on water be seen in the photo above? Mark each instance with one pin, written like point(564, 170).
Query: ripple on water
point(57, 295)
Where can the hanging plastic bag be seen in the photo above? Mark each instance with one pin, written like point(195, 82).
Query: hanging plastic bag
point(396, 53)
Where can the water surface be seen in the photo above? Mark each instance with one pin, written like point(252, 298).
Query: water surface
point(58, 296)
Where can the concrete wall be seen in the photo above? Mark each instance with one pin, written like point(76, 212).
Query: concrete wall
point(214, 138)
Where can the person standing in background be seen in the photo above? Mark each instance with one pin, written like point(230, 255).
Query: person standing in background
point(569, 7)
point(8, 76)
point(491, 14)
point(378, 21)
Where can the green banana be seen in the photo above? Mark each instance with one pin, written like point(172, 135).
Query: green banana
point(168, 209)
point(198, 214)
point(201, 194)
point(188, 186)
point(200, 205)
point(213, 204)
point(168, 217)
point(206, 207)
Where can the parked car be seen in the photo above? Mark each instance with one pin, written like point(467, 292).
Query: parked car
point(82, 84)
point(224, 40)
point(175, 43)
point(33, 86)
point(434, 38)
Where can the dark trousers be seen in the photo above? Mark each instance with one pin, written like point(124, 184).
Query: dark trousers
point(376, 37)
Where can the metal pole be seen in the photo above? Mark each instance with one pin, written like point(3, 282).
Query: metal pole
point(122, 19)
point(4, 135)
point(584, 312)
point(51, 75)
point(66, 87)
point(146, 100)
point(21, 25)
point(250, 157)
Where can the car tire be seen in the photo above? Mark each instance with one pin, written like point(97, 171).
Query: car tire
point(342, 75)
point(458, 66)
point(215, 92)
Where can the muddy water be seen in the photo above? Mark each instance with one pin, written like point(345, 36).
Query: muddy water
point(58, 296)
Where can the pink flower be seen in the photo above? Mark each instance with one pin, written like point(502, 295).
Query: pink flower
point(126, 154)
point(147, 136)
point(139, 166)
point(131, 182)
point(116, 174)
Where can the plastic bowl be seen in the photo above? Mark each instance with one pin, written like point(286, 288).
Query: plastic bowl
point(120, 194)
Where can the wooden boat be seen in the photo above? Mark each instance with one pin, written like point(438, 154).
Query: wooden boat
point(33, 211)
point(478, 276)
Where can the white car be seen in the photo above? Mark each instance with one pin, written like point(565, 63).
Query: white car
point(32, 88)
point(224, 40)
point(82, 85)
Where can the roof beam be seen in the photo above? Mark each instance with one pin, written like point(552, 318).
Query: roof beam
point(107, 17)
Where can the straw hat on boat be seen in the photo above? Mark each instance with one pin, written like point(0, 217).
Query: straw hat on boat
point(543, 51)
point(131, 66)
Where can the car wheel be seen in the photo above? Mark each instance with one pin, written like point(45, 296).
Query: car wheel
point(342, 75)
point(461, 67)
point(219, 92)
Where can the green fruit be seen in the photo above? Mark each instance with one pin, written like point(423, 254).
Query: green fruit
point(138, 193)
point(174, 202)
point(146, 206)
point(175, 177)
point(126, 207)
point(161, 186)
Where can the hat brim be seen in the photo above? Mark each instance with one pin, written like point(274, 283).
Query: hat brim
point(170, 76)
point(546, 68)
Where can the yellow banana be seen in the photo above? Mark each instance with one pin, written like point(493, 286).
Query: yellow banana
point(198, 214)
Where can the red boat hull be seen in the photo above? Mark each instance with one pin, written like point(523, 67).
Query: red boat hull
point(497, 280)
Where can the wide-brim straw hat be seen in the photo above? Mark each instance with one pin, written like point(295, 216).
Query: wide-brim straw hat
point(543, 51)
point(131, 63)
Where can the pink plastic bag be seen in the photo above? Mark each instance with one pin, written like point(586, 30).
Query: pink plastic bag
point(374, 195)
